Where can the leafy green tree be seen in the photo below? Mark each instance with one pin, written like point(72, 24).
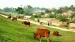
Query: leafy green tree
point(19, 10)
point(66, 8)
point(62, 18)
point(7, 9)
point(29, 6)
point(72, 15)
point(72, 7)
point(59, 11)
point(0, 10)
point(42, 13)
point(43, 8)
point(54, 10)
point(73, 21)
point(51, 15)
point(47, 11)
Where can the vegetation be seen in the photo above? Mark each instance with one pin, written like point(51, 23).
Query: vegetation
point(52, 13)
point(15, 31)
point(62, 18)
point(19, 10)
point(7, 9)
point(72, 16)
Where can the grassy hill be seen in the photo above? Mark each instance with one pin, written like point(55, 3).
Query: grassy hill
point(12, 13)
point(15, 31)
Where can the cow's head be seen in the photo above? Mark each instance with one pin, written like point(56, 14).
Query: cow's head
point(35, 35)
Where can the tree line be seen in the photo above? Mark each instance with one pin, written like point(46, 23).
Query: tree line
point(29, 9)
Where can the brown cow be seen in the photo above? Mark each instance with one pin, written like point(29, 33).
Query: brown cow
point(21, 16)
point(42, 33)
point(14, 18)
point(56, 33)
point(9, 16)
point(26, 23)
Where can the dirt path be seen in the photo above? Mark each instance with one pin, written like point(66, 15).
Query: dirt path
point(72, 30)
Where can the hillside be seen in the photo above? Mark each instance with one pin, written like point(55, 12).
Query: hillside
point(15, 31)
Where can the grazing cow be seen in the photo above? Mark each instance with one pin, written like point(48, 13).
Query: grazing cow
point(56, 33)
point(21, 16)
point(14, 18)
point(42, 33)
point(9, 16)
point(26, 23)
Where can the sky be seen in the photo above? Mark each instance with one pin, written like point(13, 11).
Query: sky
point(37, 3)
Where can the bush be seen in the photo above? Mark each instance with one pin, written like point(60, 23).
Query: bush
point(37, 16)
point(73, 21)
point(62, 18)
point(51, 15)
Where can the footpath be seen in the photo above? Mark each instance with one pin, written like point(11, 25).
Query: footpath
point(63, 29)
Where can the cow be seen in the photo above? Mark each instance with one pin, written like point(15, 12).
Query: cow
point(26, 23)
point(9, 16)
point(42, 33)
point(14, 18)
point(56, 33)
point(21, 16)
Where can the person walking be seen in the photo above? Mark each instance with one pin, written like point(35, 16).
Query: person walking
point(49, 23)
point(40, 21)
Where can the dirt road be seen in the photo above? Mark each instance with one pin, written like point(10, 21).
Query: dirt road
point(63, 29)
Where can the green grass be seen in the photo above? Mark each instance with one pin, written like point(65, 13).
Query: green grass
point(15, 31)
point(12, 13)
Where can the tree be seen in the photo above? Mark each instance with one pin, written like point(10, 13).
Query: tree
point(59, 11)
point(66, 8)
point(43, 8)
point(47, 11)
point(7, 9)
point(42, 13)
point(72, 7)
point(72, 15)
point(51, 15)
point(29, 6)
point(62, 18)
point(0, 10)
point(19, 10)
point(54, 10)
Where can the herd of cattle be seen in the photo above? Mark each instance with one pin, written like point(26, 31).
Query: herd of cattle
point(15, 19)
point(40, 32)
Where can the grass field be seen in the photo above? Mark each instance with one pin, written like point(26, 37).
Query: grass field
point(15, 31)
point(12, 13)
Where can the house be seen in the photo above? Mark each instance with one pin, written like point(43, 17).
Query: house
point(67, 12)
point(27, 17)
point(73, 11)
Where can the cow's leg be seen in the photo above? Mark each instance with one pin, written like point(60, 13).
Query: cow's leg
point(40, 39)
point(48, 39)
point(29, 24)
